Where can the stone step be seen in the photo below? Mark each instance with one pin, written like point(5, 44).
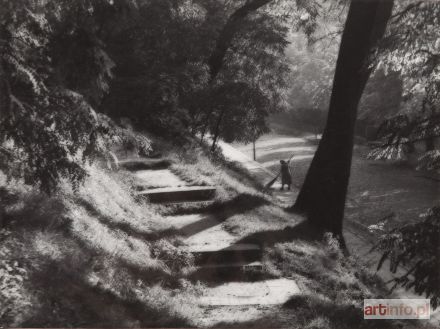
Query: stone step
point(267, 292)
point(179, 194)
point(257, 265)
point(158, 178)
point(238, 271)
point(144, 164)
point(236, 253)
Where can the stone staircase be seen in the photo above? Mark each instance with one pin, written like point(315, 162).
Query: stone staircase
point(158, 184)
point(217, 254)
point(233, 270)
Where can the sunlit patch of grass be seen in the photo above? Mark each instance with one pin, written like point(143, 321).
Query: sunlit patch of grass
point(115, 243)
point(110, 195)
point(172, 304)
point(15, 299)
point(320, 322)
point(266, 217)
point(321, 268)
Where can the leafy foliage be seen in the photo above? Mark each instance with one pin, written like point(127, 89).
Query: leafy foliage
point(162, 76)
point(417, 246)
point(412, 48)
point(54, 70)
point(159, 48)
point(251, 84)
point(46, 126)
point(430, 160)
point(312, 54)
point(382, 97)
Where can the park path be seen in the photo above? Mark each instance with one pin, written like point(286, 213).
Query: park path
point(264, 172)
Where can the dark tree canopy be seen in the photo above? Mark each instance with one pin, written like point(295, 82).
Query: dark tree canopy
point(68, 67)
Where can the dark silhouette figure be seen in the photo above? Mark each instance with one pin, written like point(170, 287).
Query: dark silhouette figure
point(286, 177)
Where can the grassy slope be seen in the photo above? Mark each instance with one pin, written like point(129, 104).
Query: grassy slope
point(98, 258)
point(87, 259)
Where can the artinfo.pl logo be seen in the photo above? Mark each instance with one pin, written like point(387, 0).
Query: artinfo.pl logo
point(397, 309)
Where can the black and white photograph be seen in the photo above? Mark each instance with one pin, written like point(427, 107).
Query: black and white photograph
point(220, 164)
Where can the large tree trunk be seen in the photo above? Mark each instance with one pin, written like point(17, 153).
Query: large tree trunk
point(322, 197)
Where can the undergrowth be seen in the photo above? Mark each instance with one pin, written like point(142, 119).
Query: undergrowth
point(83, 258)
point(334, 286)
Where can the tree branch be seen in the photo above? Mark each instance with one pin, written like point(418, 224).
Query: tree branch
point(330, 34)
point(398, 16)
point(227, 34)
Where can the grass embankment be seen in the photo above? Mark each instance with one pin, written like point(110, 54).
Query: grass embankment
point(86, 258)
point(96, 257)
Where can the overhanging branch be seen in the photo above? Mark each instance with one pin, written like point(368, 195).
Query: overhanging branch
point(227, 34)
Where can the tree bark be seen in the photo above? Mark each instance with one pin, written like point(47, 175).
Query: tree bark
point(430, 144)
point(5, 87)
point(322, 197)
point(217, 130)
point(227, 34)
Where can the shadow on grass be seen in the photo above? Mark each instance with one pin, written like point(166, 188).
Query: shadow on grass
point(238, 205)
point(217, 213)
point(145, 164)
point(302, 230)
point(70, 301)
point(201, 225)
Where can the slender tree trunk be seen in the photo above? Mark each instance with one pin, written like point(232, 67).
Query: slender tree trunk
point(322, 197)
point(5, 87)
point(430, 144)
point(217, 130)
point(430, 140)
point(204, 129)
point(5, 93)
